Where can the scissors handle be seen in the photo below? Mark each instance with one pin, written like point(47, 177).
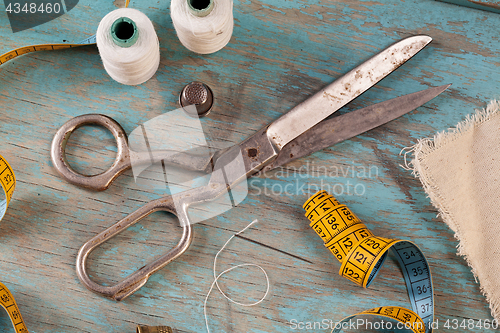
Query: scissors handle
point(178, 205)
point(137, 279)
point(125, 157)
point(101, 181)
point(232, 166)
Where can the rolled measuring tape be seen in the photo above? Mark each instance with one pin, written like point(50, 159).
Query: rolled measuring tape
point(8, 182)
point(362, 255)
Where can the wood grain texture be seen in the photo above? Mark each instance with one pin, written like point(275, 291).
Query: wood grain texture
point(281, 52)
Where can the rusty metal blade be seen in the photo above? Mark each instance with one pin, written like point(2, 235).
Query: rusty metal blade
point(337, 129)
point(343, 90)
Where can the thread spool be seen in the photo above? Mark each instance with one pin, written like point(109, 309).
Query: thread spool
point(203, 26)
point(128, 46)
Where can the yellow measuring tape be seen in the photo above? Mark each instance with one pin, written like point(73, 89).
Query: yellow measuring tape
point(46, 47)
point(8, 179)
point(8, 302)
point(42, 47)
point(362, 254)
point(8, 182)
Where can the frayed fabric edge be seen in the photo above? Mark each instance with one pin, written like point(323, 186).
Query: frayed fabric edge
point(426, 146)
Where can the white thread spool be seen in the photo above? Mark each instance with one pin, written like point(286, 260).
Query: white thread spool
point(203, 26)
point(128, 46)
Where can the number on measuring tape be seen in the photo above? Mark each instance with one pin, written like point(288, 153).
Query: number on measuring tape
point(8, 302)
point(362, 254)
point(8, 183)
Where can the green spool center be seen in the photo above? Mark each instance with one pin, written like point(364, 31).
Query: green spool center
point(200, 8)
point(124, 32)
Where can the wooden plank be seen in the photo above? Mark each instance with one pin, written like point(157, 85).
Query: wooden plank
point(281, 53)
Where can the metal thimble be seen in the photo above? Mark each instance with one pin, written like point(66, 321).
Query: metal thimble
point(198, 94)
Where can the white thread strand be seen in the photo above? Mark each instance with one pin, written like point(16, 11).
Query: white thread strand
point(216, 278)
point(129, 65)
point(206, 34)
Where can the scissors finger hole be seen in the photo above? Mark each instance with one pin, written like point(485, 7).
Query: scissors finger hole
point(134, 247)
point(91, 150)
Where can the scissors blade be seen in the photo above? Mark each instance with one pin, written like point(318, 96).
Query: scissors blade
point(264, 146)
point(337, 129)
point(343, 90)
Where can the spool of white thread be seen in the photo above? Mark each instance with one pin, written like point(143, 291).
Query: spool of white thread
point(203, 26)
point(128, 46)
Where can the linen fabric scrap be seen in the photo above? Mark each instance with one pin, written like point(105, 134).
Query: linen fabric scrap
point(460, 171)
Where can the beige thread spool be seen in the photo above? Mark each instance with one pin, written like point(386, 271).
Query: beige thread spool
point(203, 26)
point(128, 46)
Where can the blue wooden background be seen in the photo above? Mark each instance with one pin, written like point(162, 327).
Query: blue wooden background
point(281, 52)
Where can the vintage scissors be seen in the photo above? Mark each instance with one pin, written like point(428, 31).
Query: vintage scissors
point(297, 133)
